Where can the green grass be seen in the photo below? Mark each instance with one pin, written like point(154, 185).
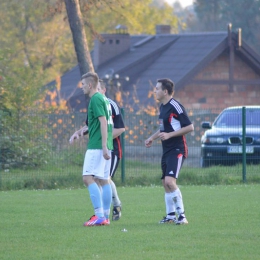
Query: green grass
point(136, 173)
point(47, 224)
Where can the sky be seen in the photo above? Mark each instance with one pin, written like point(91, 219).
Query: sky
point(184, 3)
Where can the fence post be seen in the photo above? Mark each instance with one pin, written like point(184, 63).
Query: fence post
point(244, 143)
point(122, 137)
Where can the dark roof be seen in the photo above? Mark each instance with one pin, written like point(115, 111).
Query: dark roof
point(175, 56)
point(182, 57)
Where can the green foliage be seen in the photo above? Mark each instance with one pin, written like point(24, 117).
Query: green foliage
point(138, 16)
point(24, 134)
point(39, 34)
point(24, 141)
point(214, 15)
point(36, 37)
point(33, 221)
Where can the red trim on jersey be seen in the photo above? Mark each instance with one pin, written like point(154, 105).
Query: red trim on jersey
point(185, 146)
point(119, 147)
point(171, 116)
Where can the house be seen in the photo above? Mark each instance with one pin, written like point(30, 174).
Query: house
point(216, 69)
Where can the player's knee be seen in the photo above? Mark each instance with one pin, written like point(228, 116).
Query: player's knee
point(170, 183)
point(88, 179)
point(104, 182)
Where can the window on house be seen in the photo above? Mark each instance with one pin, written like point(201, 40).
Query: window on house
point(117, 41)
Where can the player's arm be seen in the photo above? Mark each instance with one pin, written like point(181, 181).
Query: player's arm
point(82, 131)
point(148, 142)
point(85, 131)
point(182, 131)
point(103, 130)
point(119, 126)
point(117, 132)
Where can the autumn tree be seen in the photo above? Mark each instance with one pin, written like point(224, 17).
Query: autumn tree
point(39, 32)
point(36, 37)
point(140, 17)
point(36, 34)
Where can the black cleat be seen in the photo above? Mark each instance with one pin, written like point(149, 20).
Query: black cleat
point(116, 213)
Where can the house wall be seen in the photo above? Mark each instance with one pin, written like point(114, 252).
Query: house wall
point(204, 96)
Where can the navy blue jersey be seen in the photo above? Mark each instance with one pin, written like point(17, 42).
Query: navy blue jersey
point(172, 118)
point(118, 123)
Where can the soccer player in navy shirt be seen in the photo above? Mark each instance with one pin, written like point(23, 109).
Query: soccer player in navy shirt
point(116, 155)
point(174, 125)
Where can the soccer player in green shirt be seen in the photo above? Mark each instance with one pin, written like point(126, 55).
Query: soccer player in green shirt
point(116, 153)
point(97, 158)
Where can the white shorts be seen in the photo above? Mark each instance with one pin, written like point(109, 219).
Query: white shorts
point(96, 165)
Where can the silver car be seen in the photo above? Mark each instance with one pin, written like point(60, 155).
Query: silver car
point(221, 144)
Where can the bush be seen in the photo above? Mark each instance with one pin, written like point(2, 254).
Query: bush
point(24, 141)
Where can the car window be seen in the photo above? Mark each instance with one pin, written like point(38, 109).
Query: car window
point(234, 118)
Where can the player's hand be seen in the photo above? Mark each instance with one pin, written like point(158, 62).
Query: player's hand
point(164, 136)
point(148, 143)
point(73, 137)
point(106, 154)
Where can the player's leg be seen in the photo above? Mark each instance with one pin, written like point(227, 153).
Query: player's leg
point(117, 208)
point(106, 188)
point(91, 162)
point(174, 163)
point(115, 198)
point(169, 204)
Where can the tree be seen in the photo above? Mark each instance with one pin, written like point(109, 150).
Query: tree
point(216, 14)
point(79, 36)
point(33, 36)
point(140, 17)
point(36, 34)
point(209, 13)
point(24, 132)
point(37, 31)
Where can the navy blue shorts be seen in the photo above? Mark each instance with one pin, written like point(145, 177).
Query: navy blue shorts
point(114, 164)
point(171, 164)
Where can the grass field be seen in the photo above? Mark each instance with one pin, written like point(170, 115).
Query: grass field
point(224, 223)
point(136, 173)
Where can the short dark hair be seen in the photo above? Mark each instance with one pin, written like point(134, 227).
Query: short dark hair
point(167, 84)
point(92, 77)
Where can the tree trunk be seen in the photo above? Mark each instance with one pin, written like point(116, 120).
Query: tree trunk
point(79, 36)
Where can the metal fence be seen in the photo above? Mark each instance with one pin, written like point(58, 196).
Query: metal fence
point(39, 144)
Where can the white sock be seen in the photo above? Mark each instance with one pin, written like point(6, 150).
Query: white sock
point(170, 207)
point(177, 199)
point(115, 199)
